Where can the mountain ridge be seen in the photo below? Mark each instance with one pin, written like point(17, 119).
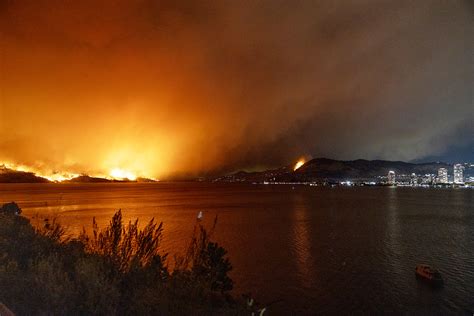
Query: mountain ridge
point(326, 169)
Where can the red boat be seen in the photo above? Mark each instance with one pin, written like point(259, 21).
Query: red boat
point(427, 273)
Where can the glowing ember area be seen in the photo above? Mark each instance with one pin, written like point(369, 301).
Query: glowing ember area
point(53, 176)
point(120, 174)
point(299, 164)
point(58, 177)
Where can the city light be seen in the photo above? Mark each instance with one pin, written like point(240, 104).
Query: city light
point(443, 175)
point(391, 177)
point(458, 173)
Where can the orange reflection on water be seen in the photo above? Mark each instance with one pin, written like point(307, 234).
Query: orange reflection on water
point(302, 242)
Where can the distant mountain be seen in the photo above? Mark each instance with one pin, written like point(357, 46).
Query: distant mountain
point(12, 176)
point(256, 176)
point(324, 169)
point(87, 179)
point(319, 169)
point(140, 179)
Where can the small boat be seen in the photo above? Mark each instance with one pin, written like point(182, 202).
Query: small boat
point(427, 273)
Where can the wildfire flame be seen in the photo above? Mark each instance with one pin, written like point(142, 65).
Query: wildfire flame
point(298, 165)
point(53, 176)
point(120, 174)
point(60, 176)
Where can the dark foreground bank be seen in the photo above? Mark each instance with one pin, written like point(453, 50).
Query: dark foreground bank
point(118, 270)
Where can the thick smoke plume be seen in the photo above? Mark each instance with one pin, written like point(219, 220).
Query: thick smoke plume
point(177, 87)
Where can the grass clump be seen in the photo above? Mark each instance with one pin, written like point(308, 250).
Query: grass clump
point(118, 270)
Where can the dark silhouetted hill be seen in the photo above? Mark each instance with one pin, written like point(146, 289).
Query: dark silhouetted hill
point(12, 176)
point(87, 179)
point(324, 169)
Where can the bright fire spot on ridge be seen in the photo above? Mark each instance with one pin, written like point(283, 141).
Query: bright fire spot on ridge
point(52, 176)
point(299, 164)
point(58, 177)
point(120, 174)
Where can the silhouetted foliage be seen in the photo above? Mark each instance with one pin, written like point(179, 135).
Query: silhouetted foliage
point(206, 259)
point(53, 230)
point(118, 270)
point(126, 247)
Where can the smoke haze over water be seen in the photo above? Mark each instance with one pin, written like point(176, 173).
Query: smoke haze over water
point(173, 87)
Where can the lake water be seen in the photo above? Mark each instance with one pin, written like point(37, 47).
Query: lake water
point(320, 250)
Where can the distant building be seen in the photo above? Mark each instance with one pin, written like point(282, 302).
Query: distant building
point(391, 177)
point(442, 175)
point(427, 179)
point(458, 173)
point(413, 179)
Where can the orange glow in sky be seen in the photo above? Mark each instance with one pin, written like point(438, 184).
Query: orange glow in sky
point(171, 89)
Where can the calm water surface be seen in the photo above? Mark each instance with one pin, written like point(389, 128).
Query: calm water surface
point(320, 250)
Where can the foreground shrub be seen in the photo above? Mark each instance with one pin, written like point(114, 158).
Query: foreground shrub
point(126, 247)
point(118, 270)
point(206, 259)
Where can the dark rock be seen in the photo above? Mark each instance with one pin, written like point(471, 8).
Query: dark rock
point(10, 208)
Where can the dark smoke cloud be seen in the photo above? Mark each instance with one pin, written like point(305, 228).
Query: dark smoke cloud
point(173, 87)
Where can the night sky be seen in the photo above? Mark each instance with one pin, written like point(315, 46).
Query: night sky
point(163, 88)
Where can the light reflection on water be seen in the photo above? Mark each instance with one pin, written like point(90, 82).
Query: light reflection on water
point(324, 250)
point(302, 242)
point(393, 232)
